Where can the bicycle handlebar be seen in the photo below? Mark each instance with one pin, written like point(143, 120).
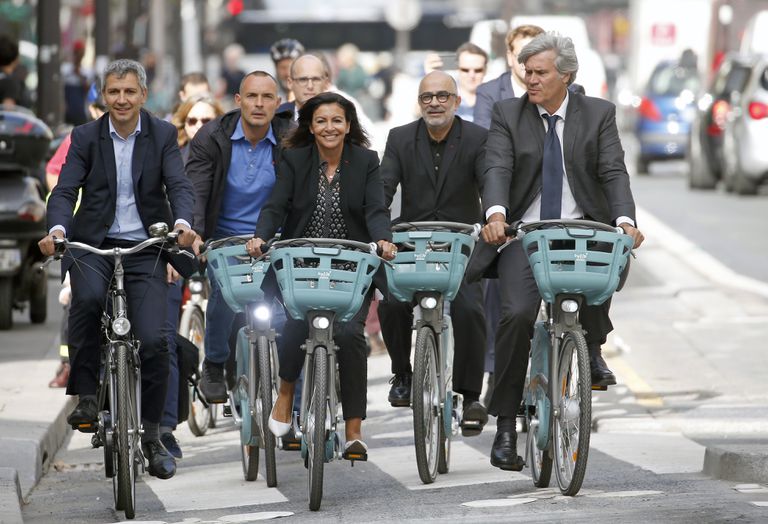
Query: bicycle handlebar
point(62, 243)
point(369, 247)
point(520, 227)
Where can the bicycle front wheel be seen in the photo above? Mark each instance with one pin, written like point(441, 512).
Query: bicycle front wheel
point(573, 423)
point(426, 405)
point(192, 328)
point(315, 431)
point(245, 395)
point(127, 429)
point(264, 405)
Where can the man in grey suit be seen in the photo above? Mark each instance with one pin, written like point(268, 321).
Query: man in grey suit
point(585, 176)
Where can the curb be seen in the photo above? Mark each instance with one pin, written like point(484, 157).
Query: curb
point(748, 464)
point(10, 497)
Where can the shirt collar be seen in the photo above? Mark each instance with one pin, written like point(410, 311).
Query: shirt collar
point(561, 111)
point(113, 131)
point(239, 134)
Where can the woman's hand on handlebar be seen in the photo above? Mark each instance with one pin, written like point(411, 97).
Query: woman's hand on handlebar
point(253, 246)
point(632, 231)
point(388, 249)
point(493, 231)
point(46, 245)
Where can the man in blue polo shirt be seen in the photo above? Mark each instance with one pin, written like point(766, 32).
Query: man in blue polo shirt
point(232, 167)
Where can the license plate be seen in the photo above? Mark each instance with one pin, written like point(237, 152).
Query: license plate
point(10, 259)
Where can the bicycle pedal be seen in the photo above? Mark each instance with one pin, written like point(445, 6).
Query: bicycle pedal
point(89, 427)
point(353, 456)
point(291, 445)
point(599, 388)
point(227, 411)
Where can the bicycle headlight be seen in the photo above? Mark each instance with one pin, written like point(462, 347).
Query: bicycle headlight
point(195, 286)
point(121, 326)
point(262, 313)
point(321, 322)
point(569, 306)
point(429, 302)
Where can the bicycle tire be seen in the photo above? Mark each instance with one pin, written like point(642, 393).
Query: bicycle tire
point(265, 405)
point(541, 459)
point(426, 405)
point(192, 327)
point(245, 397)
point(574, 420)
point(316, 428)
point(444, 450)
point(126, 428)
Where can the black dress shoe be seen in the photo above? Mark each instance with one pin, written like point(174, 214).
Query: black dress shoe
point(400, 392)
point(504, 452)
point(161, 464)
point(84, 415)
point(212, 385)
point(601, 375)
point(473, 418)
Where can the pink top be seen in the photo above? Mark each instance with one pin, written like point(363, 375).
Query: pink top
point(57, 160)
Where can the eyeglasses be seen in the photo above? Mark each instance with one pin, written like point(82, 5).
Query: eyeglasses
point(467, 70)
point(192, 121)
point(305, 80)
point(442, 97)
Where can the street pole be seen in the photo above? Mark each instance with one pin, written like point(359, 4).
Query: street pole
point(101, 32)
point(49, 91)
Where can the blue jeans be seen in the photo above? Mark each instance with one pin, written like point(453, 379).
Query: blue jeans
point(171, 411)
point(218, 325)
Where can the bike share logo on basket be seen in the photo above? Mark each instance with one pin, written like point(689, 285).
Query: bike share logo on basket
point(580, 255)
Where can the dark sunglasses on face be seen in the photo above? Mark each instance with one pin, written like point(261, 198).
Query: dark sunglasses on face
point(442, 97)
point(467, 70)
point(192, 121)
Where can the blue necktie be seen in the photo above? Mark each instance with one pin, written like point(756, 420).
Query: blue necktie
point(552, 172)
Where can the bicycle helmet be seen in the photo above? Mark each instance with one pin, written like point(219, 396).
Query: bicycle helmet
point(286, 48)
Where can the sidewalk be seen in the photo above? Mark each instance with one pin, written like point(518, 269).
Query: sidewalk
point(689, 342)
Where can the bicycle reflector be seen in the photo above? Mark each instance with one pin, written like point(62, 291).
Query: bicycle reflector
point(262, 313)
point(121, 326)
point(320, 322)
point(569, 306)
point(428, 302)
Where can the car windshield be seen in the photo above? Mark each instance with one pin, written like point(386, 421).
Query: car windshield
point(672, 80)
point(734, 81)
point(764, 79)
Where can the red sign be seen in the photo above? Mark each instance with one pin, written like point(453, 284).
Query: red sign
point(663, 34)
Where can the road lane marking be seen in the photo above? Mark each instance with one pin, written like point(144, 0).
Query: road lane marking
point(660, 453)
point(468, 466)
point(642, 391)
point(496, 503)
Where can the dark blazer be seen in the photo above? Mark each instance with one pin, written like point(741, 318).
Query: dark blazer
point(163, 192)
point(488, 93)
point(452, 194)
point(210, 154)
point(594, 163)
point(294, 196)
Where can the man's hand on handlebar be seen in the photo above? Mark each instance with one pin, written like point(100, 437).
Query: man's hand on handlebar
point(186, 235)
point(388, 249)
point(46, 245)
point(253, 246)
point(493, 231)
point(635, 233)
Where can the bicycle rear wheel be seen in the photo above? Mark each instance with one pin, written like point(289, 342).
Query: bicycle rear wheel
point(264, 407)
point(426, 405)
point(127, 429)
point(315, 430)
point(192, 328)
point(573, 424)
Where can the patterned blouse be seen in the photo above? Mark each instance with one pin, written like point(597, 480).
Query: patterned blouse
point(327, 220)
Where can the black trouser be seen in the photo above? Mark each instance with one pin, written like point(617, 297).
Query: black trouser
point(468, 319)
point(352, 358)
point(519, 307)
point(146, 289)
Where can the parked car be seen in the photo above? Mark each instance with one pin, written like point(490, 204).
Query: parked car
point(665, 113)
point(705, 149)
point(745, 150)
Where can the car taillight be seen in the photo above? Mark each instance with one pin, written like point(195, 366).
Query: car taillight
point(720, 111)
point(758, 110)
point(649, 110)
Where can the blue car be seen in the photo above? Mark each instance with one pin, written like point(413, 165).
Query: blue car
point(665, 113)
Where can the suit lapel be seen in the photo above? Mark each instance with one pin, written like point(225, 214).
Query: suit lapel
point(571, 130)
point(108, 156)
point(451, 146)
point(345, 165)
point(506, 86)
point(425, 154)
point(533, 121)
point(139, 148)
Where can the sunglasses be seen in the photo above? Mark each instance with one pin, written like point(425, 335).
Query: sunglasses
point(192, 121)
point(466, 70)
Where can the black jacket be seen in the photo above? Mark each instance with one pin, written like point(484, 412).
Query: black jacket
point(210, 153)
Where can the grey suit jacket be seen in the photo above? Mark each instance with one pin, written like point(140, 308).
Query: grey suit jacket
point(488, 93)
point(594, 163)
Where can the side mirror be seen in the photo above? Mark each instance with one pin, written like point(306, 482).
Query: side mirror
point(158, 229)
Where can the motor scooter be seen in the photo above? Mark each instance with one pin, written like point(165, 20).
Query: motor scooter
point(24, 144)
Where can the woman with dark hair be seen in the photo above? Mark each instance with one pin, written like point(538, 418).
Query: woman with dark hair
point(328, 186)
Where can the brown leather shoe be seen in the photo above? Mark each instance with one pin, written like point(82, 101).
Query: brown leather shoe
point(61, 378)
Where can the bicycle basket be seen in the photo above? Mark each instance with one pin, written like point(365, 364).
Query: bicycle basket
point(323, 278)
point(239, 277)
point(587, 262)
point(425, 268)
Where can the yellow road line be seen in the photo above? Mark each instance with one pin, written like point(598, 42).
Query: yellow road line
point(643, 392)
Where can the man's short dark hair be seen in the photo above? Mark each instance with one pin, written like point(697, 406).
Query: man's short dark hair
point(472, 49)
point(9, 50)
point(256, 73)
point(195, 77)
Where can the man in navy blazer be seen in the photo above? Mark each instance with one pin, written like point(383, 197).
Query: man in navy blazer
point(128, 166)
